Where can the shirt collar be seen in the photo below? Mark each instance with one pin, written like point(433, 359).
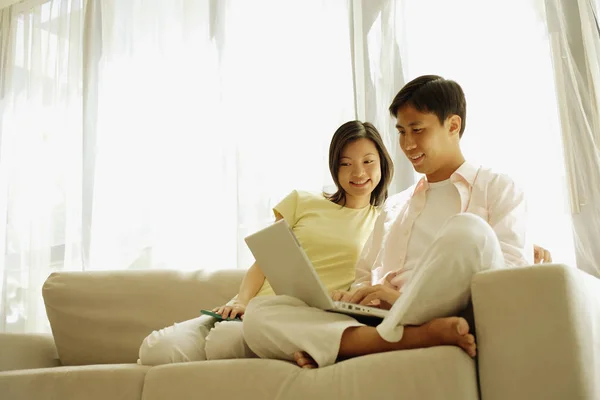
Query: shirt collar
point(466, 173)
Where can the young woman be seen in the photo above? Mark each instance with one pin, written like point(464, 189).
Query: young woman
point(332, 229)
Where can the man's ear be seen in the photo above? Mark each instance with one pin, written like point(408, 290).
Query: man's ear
point(455, 122)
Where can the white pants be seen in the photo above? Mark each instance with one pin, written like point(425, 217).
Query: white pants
point(440, 286)
point(197, 339)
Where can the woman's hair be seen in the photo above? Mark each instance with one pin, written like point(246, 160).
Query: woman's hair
point(346, 134)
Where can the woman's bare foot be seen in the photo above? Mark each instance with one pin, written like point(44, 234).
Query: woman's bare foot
point(452, 331)
point(304, 360)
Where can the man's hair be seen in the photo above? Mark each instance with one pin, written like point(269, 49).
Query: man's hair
point(433, 94)
point(346, 134)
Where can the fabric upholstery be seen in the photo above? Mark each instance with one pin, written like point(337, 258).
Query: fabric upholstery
point(27, 351)
point(93, 382)
point(538, 333)
point(435, 373)
point(102, 317)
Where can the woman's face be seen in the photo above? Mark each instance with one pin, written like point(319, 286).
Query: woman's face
point(359, 170)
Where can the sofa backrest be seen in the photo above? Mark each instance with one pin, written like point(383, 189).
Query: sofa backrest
point(101, 317)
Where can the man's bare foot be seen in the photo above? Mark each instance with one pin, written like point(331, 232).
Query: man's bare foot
point(453, 331)
point(304, 360)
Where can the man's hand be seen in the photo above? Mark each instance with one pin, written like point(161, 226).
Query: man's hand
point(236, 309)
point(338, 295)
point(378, 295)
point(541, 255)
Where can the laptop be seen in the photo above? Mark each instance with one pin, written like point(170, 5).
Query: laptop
point(289, 271)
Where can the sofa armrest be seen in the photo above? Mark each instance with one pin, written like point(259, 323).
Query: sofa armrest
point(538, 333)
point(27, 351)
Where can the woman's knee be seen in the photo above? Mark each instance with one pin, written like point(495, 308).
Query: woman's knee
point(262, 321)
point(177, 343)
point(253, 317)
point(226, 341)
point(260, 309)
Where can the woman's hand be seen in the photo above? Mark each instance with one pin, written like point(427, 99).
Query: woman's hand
point(233, 310)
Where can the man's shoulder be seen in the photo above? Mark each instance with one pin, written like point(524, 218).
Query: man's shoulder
point(398, 199)
point(500, 186)
point(497, 180)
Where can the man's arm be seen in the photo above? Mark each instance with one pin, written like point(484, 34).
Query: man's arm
point(508, 218)
point(541, 255)
point(362, 271)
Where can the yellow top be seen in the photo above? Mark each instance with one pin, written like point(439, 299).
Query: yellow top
point(331, 235)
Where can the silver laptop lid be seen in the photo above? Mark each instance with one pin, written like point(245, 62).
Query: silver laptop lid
point(286, 266)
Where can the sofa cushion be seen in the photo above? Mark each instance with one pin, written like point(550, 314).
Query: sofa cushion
point(102, 317)
point(538, 333)
point(94, 382)
point(27, 350)
point(435, 373)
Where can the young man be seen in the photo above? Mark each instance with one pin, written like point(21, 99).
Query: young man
point(427, 244)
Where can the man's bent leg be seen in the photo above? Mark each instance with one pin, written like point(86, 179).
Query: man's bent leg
point(277, 327)
point(451, 331)
point(440, 286)
point(424, 314)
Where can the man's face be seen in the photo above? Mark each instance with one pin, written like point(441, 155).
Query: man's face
point(428, 144)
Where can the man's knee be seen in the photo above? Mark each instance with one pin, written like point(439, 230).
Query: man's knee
point(466, 229)
point(471, 239)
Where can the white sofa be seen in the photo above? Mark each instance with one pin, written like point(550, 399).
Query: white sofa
point(538, 332)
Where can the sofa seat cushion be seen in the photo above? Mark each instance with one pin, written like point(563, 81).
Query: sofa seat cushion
point(435, 373)
point(93, 382)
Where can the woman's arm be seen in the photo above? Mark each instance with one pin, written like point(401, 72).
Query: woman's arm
point(251, 284)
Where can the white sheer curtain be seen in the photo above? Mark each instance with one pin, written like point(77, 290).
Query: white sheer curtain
point(40, 156)
point(378, 75)
point(165, 138)
point(208, 114)
point(152, 134)
point(575, 38)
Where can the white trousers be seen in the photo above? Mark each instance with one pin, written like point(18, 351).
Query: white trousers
point(197, 339)
point(440, 286)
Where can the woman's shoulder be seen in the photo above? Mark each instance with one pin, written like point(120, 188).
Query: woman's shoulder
point(312, 198)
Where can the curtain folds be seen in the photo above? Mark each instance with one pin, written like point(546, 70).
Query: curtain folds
point(150, 134)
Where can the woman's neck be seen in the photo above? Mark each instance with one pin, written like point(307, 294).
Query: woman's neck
point(357, 202)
